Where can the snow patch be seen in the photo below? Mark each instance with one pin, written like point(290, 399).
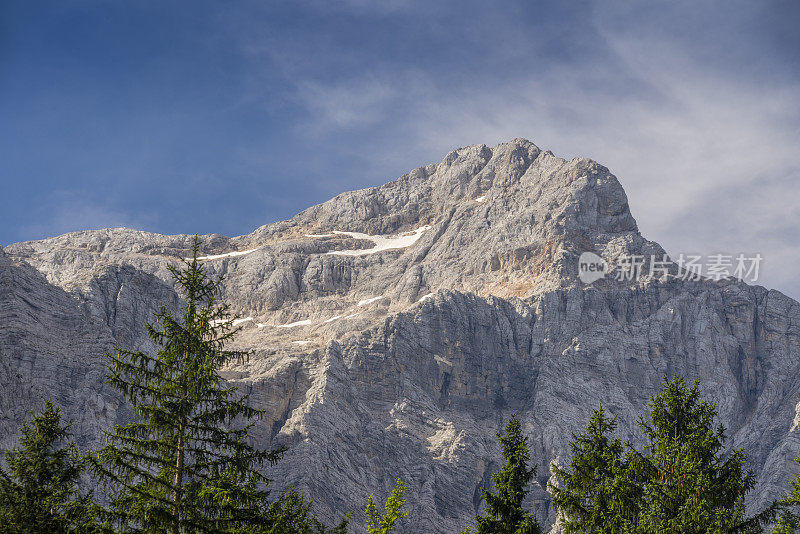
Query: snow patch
point(304, 322)
point(382, 242)
point(226, 255)
point(302, 342)
point(235, 322)
point(425, 297)
point(481, 199)
point(337, 317)
point(369, 301)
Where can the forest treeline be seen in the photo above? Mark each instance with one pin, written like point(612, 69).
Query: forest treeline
point(185, 464)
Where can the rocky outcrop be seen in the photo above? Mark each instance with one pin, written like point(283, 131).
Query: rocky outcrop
point(395, 328)
point(49, 348)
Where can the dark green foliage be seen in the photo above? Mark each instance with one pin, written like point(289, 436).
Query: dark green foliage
point(788, 521)
point(594, 494)
point(682, 481)
point(378, 523)
point(39, 492)
point(504, 513)
point(688, 485)
point(185, 464)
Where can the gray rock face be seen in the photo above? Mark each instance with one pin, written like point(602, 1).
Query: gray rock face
point(50, 349)
point(395, 328)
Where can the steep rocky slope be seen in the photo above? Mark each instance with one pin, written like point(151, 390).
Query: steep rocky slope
point(395, 328)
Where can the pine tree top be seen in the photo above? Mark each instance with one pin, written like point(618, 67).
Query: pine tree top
point(39, 492)
point(186, 461)
point(504, 512)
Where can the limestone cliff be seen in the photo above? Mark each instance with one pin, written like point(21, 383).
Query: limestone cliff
point(395, 328)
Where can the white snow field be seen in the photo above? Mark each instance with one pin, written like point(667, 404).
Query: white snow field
point(370, 301)
point(382, 242)
point(304, 322)
point(481, 199)
point(226, 255)
point(236, 322)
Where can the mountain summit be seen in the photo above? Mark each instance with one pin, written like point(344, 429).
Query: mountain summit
point(395, 328)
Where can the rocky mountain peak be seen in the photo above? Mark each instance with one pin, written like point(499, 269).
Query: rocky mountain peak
point(509, 221)
point(394, 328)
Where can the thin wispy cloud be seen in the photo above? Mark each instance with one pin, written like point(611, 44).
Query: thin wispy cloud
point(64, 211)
point(360, 102)
point(708, 156)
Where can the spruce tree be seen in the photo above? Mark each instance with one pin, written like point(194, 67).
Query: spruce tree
point(682, 481)
point(504, 513)
point(378, 523)
point(593, 494)
point(39, 492)
point(687, 481)
point(184, 464)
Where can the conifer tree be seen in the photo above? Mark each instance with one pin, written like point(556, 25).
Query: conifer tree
point(378, 523)
point(593, 494)
point(184, 464)
point(682, 481)
point(504, 513)
point(687, 482)
point(39, 493)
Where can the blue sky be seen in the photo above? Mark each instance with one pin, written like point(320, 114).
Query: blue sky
point(184, 117)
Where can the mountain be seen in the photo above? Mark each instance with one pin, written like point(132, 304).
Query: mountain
point(394, 329)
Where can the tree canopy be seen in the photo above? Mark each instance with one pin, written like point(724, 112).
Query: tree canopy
point(504, 513)
point(594, 494)
point(39, 492)
point(683, 480)
point(185, 464)
point(378, 523)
